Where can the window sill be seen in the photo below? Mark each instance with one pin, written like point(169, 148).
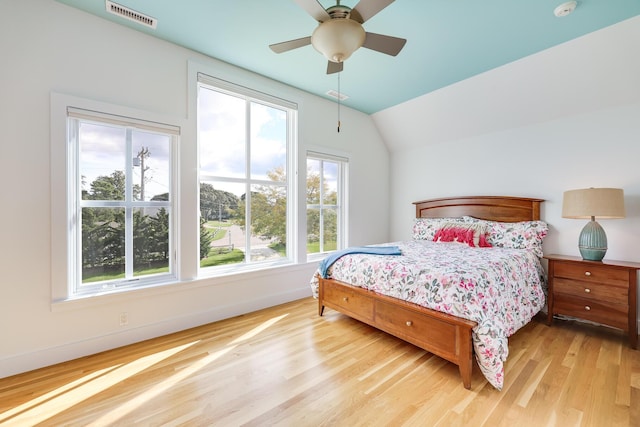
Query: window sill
point(116, 296)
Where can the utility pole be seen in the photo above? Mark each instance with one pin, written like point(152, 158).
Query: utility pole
point(143, 154)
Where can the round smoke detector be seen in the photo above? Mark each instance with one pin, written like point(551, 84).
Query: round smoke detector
point(565, 8)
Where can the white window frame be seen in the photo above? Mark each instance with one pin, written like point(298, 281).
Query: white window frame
point(342, 199)
point(64, 185)
point(291, 108)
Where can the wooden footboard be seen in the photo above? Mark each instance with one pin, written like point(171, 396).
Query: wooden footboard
point(442, 334)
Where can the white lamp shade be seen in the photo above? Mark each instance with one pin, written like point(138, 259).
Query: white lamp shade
point(337, 38)
point(604, 203)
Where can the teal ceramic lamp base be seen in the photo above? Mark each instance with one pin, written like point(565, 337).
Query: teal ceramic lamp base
point(592, 242)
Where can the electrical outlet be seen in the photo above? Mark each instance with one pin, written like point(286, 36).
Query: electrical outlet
point(124, 318)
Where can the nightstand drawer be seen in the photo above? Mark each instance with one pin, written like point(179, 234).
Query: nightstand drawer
point(615, 315)
point(592, 291)
point(592, 273)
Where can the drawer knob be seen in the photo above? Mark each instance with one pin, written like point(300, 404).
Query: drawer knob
point(587, 290)
point(345, 299)
point(587, 273)
point(586, 307)
point(409, 323)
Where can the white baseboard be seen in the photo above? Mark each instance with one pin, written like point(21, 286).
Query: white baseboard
point(49, 356)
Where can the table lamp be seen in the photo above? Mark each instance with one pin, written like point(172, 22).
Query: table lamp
point(602, 203)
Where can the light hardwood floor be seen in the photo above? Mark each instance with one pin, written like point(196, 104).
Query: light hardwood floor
point(287, 366)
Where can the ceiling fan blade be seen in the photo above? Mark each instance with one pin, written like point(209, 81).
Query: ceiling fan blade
point(290, 45)
point(385, 44)
point(334, 67)
point(315, 9)
point(367, 9)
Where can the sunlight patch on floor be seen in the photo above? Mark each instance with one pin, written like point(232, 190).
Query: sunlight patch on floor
point(47, 397)
point(131, 405)
point(46, 406)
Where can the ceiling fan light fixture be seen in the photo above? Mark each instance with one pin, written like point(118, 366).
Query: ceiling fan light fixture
point(338, 38)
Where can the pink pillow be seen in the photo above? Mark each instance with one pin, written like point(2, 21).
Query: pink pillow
point(473, 235)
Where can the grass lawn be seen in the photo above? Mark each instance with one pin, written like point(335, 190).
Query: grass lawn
point(216, 256)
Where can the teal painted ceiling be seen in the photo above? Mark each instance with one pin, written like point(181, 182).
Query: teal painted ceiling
point(447, 40)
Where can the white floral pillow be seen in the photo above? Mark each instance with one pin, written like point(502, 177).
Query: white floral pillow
point(426, 228)
point(515, 235)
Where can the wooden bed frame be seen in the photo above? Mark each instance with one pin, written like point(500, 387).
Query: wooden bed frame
point(439, 333)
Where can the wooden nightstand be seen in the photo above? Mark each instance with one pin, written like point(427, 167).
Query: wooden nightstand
point(600, 291)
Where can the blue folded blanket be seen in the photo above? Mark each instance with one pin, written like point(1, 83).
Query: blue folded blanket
point(373, 250)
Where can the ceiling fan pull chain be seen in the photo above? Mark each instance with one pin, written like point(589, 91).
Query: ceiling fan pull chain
point(339, 95)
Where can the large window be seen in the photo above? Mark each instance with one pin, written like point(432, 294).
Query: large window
point(120, 201)
point(116, 175)
point(246, 144)
point(326, 184)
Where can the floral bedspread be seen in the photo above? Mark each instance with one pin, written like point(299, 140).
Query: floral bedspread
point(500, 289)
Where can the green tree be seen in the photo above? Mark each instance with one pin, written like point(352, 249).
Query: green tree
point(268, 209)
point(111, 236)
point(102, 228)
point(313, 198)
point(109, 187)
point(150, 238)
point(141, 244)
point(205, 239)
point(160, 234)
point(313, 187)
point(103, 236)
point(216, 204)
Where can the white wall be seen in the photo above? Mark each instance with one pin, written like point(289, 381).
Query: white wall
point(583, 133)
point(599, 149)
point(48, 47)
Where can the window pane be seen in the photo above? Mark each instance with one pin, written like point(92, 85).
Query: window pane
point(102, 155)
point(103, 244)
point(313, 231)
point(222, 236)
point(222, 133)
point(268, 222)
point(330, 230)
point(243, 138)
point(325, 210)
point(268, 142)
point(125, 205)
point(313, 181)
point(151, 155)
point(330, 182)
point(150, 241)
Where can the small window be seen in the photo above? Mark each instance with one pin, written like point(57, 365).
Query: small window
point(326, 176)
point(121, 208)
point(246, 140)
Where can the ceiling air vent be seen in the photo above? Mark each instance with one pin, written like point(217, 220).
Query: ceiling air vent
point(337, 95)
point(130, 14)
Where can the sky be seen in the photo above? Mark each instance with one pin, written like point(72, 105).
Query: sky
point(222, 133)
point(104, 149)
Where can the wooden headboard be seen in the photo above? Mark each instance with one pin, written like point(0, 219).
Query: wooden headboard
point(493, 208)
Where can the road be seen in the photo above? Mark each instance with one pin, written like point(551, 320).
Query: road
point(236, 237)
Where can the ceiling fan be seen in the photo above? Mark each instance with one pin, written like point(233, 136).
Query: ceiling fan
point(340, 32)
